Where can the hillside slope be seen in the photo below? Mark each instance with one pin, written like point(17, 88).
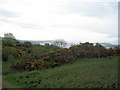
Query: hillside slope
point(84, 73)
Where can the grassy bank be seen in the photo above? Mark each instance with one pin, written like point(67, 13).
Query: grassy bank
point(84, 73)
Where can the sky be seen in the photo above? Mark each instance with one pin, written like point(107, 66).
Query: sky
point(71, 20)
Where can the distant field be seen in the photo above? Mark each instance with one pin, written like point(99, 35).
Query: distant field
point(84, 73)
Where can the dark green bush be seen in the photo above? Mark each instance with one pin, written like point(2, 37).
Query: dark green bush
point(6, 51)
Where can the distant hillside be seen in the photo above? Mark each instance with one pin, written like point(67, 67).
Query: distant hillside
point(37, 42)
point(108, 45)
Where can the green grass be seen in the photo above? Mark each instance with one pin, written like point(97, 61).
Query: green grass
point(84, 73)
point(6, 65)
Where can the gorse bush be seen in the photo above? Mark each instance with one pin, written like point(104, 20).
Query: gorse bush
point(17, 53)
point(62, 56)
point(6, 51)
point(40, 57)
point(24, 46)
point(37, 50)
point(88, 50)
point(46, 60)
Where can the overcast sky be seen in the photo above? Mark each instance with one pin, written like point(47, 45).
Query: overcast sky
point(71, 20)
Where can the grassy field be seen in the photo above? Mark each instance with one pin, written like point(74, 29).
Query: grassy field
point(84, 73)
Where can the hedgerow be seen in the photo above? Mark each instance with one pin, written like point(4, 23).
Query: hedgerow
point(62, 56)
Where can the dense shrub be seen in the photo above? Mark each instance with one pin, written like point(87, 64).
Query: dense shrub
point(62, 56)
point(17, 53)
point(46, 60)
point(88, 50)
point(24, 46)
point(37, 50)
point(116, 51)
point(6, 51)
point(27, 45)
point(30, 65)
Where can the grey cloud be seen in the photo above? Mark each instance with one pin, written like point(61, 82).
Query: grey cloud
point(3, 1)
point(20, 24)
point(6, 13)
point(27, 25)
point(94, 9)
point(58, 26)
point(4, 20)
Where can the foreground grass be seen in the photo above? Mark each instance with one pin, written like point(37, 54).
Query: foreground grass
point(84, 73)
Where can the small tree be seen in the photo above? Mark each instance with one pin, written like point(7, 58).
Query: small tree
point(9, 36)
point(60, 43)
point(9, 39)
